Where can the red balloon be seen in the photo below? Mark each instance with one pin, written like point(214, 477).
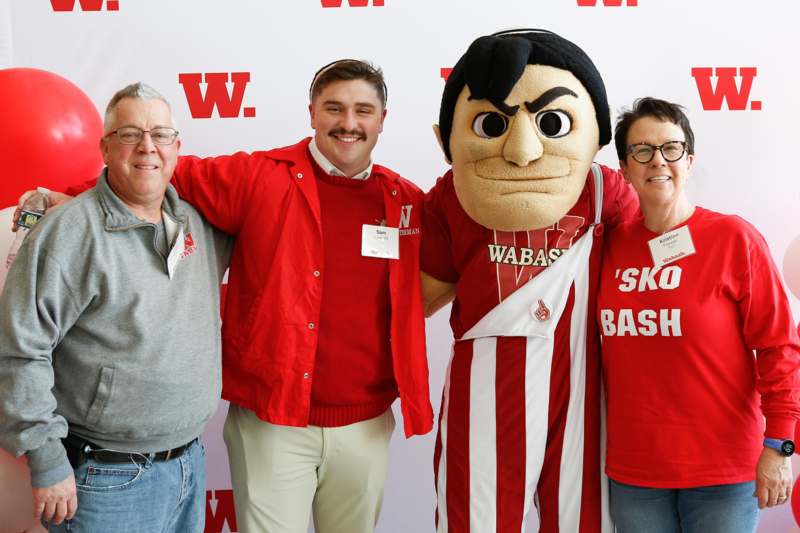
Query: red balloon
point(796, 501)
point(50, 133)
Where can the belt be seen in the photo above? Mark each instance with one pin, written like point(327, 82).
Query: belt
point(80, 450)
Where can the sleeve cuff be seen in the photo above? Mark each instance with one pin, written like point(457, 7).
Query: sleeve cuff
point(48, 464)
point(780, 428)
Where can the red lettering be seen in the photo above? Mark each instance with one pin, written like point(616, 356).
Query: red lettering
point(228, 104)
point(352, 3)
point(607, 3)
point(86, 5)
point(225, 513)
point(726, 89)
point(444, 72)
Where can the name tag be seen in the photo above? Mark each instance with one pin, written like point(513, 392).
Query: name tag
point(380, 241)
point(175, 254)
point(671, 246)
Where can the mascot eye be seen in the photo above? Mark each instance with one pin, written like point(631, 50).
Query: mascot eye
point(488, 125)
point(554, 123)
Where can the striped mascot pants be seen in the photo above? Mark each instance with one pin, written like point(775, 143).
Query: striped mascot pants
point(520, 425)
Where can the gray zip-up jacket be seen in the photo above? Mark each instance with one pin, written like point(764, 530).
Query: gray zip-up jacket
point(105, 333)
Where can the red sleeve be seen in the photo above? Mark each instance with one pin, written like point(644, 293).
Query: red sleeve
point(436, 257)
point(75, 190)
point(768, 328)
point(620, 202)
point(220, 187)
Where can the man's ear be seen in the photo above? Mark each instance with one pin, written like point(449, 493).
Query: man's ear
point(104, 149)
point(438, 135)
point(383, 118)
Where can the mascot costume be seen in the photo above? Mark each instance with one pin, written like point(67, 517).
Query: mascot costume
point(513, 236)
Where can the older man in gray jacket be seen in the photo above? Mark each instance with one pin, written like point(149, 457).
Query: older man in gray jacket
point(110, 343)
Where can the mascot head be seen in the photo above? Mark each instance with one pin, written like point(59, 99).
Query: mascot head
point(523, 115)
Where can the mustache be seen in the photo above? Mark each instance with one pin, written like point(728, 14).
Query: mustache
point(356, 133)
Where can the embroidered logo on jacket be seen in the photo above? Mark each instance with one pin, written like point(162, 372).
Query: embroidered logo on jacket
point(189, 247)
point(405, 221)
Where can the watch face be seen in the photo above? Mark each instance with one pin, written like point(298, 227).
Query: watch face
point(787, 448)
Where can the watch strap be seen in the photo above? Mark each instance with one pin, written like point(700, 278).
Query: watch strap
point(785, 447)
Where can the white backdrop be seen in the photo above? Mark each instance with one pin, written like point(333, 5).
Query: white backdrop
point(642, 47)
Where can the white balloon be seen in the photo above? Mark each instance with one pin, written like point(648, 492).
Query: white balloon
point(791, 267)
point(6, 238)
point(16, 505)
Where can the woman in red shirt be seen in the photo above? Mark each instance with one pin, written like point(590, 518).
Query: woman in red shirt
point(699, 349)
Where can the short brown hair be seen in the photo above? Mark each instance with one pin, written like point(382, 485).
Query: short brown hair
point(655, 108)
point(349, 69)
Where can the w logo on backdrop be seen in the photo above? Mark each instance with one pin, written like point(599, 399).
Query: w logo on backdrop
point(221, 516)
point(727, 90)
point(85, 5)
point(352, 3)
point(228, 104)
point(608, 3)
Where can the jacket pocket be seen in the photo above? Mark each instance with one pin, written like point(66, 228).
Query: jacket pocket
point(101, 395)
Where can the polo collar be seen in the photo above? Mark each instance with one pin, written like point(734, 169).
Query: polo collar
point(119, 217)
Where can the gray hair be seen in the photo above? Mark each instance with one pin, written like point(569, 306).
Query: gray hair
point(138, 90)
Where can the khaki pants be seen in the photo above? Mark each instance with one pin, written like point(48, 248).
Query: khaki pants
point(280, 473)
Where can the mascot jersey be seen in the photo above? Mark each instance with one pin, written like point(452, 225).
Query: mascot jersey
point(520, 418)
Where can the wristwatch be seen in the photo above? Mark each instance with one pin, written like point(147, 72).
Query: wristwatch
point(784, 446)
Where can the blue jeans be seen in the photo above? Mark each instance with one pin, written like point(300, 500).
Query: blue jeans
point(713, 509)
point(153, 497)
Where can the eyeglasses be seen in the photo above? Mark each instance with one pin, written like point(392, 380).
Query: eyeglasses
point(133, 135)
point(671, 151)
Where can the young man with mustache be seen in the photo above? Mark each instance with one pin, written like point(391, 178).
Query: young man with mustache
point(323, 323)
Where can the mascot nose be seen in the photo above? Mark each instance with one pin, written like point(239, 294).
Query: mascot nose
point(522, 145)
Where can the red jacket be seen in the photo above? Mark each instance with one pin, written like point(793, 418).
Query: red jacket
point(269, 201)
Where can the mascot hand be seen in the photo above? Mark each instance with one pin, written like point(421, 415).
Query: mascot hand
point(436, 294)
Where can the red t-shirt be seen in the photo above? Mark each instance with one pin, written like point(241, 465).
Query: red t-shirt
point(681, 379)
point(489, 265)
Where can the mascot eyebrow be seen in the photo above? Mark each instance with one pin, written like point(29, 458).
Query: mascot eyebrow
point(535, 105)
point(547, 97)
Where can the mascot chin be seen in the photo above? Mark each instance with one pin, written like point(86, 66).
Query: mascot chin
point(513, 236)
